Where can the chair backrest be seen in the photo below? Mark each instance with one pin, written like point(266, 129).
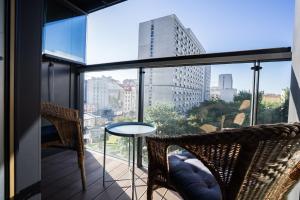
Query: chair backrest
point(65, 120)
point(249, 163)
point(257, 160)
point(275, 166)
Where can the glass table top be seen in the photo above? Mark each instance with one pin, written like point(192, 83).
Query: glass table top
point(130, 130)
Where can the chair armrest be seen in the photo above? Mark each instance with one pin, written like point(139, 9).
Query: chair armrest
point(157, 155)
point(216, 150)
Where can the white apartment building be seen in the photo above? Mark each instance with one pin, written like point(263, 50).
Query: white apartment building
point(224, 90)
point(104, 93)
point(130, 96)
point(183, 87)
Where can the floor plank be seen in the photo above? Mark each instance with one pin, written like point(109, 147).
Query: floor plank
point(96, 188)
point(61, 179)
point(118, 187)
point(62, 183)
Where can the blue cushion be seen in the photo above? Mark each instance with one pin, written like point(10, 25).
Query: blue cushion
point(192, 179)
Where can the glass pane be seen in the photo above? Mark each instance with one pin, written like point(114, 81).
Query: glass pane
point(1, 99)
point(109, 96)
point(274, 93)
point(197, 99)
point(66, 38)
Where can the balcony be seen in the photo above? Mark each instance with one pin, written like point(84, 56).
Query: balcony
point(106, 98)
point(174, 85)
point(202, 73)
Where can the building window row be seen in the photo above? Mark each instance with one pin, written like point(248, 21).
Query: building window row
point(152, 40)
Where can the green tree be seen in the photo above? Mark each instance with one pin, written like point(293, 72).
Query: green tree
point(217, 113)
point(241, 96)
point(167, 120)
point(284, 110)
point(272, 112)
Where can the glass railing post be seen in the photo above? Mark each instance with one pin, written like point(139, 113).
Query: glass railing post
point(255, 93)
point(79, 103)
point(140, 116)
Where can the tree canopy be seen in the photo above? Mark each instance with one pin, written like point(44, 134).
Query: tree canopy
point(216, 113)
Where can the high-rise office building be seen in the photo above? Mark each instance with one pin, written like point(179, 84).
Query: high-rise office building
point(224, 90)
point(225, 81)
point(183, 87)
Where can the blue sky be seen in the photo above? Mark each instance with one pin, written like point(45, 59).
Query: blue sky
point(219, 25)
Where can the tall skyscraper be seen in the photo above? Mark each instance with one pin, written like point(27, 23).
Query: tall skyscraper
point(224, 90)
point(225, 81)
point(183, 87)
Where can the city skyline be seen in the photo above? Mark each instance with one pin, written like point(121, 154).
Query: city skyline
point(241, 84)
point(131, 85)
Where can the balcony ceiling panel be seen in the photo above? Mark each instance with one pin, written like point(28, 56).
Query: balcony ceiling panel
point(93, 5)
point(63, 9)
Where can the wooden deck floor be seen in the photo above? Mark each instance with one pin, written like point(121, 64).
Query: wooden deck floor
point(61, 179)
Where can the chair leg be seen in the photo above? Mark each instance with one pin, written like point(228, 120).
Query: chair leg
point(83, 177)
point(82, 168)
point(149, 190)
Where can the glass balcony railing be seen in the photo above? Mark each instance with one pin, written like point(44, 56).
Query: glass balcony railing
point(203, 99)
point(274, 89)
point(189, 99)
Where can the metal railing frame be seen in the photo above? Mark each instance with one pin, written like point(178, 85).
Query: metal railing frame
point(249, 56)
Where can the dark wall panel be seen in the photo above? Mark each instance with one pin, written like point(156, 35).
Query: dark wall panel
point(27, 92)
point(62, 91)
point(56, 83)
point(44, 82)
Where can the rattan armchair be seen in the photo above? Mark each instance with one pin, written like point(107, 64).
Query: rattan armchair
point(259, 162)
point(68, 125)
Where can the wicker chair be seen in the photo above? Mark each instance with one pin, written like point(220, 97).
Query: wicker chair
point(68, 125)
point(259, 162)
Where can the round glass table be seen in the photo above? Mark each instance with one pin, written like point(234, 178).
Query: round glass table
point(131, 130)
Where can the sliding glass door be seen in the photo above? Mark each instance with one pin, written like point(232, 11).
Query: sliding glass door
point(1, 99)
